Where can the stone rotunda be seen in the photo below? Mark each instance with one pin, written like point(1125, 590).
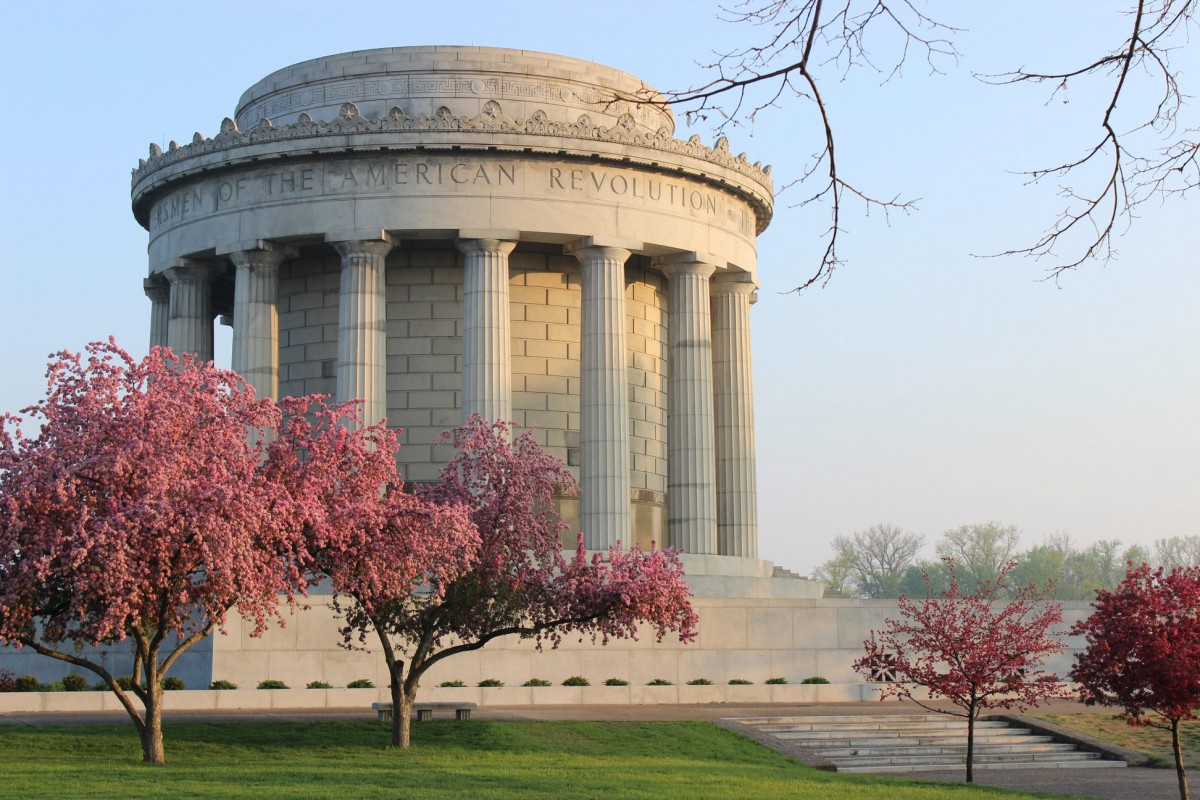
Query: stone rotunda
point(440, 231)
point(447, 230)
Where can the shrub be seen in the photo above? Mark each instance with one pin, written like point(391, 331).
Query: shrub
point(660, 682)
point(172, 684)
point(74, 683)
point(616, 682)
point(740, 682)
point(699, 682)
point(126, 682)
point(7, 682)
point(491, 683)
point(361, 683)
point(536, 682)
point(777, 681)
point(223, 684)
point(27, 683)
point(272, 683)
point(318, 685)
point(577, 680)
point(55, 686)
point(814, 679)
point(452, 684)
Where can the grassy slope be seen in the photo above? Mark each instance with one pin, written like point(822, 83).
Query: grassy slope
point(449, 759)
point(1153, 742)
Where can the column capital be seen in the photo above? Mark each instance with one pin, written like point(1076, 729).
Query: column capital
point(261, 256)
point(378, 248)
point(467, 246)
point(192, 269)
point(733, 283)
point(602, 247)
point(157, 288)
point(700, 269)
point(229, 248)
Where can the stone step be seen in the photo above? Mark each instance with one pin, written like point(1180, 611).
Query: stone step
point(871, 733)
point(876, 726)
point(947, 758)
point(959, 765)
point(807, 719)
point(909, 742)
point(836, 753)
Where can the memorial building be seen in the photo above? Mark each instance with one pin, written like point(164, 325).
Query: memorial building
point(441, 231)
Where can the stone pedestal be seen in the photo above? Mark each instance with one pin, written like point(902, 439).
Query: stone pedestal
point(362, 317)
point(603, 401)
point(737, 510)
point(487, 350)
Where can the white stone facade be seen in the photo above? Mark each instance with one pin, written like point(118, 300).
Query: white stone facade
point(445, 230)
point(437, 231)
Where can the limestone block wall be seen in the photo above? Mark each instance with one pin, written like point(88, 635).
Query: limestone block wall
point(751, 639)
point(425, 346)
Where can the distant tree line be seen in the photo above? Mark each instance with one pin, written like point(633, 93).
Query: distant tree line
point(884, 561)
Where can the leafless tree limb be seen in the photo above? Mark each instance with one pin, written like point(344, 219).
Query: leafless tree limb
point(812, 38)
point(1129, 179)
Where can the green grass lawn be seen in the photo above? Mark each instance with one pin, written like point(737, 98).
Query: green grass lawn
point(1153, 742)
point(449, 759)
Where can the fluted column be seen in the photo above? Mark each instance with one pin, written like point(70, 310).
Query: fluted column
point(190, 315)
point(603, 402)
point(691, 461)
point(362, 335)
point(159, 292)
point(256, 318)
point(737, 508)
point(487, 329)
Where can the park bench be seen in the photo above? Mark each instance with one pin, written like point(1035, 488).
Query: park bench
point(424, 711)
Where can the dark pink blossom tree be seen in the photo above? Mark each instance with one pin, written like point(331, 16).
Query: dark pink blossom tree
point(976, 650)
point(381, 548)
point(140, 514)
point(1143, 652)
point(514, 580)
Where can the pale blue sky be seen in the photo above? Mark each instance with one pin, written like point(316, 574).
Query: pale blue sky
point(922, 387)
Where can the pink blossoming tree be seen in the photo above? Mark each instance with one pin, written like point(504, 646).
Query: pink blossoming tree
point(514, 579)
point(1143, 652)
point(140, 514)
point(976, 650)
point(377, 544)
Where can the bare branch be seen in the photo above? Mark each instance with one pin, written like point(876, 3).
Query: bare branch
point(810, 37)
point(1088, 222)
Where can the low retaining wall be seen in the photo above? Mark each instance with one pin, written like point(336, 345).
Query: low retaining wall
point(233, 699)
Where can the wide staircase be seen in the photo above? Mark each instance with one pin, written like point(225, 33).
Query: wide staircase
point(911, 742)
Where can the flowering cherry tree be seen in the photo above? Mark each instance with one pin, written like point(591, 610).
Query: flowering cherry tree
point(975, 650)
point(140, 513)
point(1143, 652)
point(512, 579)
point(380, 547)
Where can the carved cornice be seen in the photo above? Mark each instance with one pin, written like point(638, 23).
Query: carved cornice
point(491, 120)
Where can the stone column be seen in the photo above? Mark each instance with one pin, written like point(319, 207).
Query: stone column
point(190, 315)
point(487, 330)
point(362, 317)
point(603, 401)
point(159, 292)
point(691, 461)
point(737, 509)
point(256, 317)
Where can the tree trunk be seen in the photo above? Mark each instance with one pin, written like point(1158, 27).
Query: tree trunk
point(971, 744)
point(405, 716)
point(399, 731)
point(1180, 771)
point(152, 738)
